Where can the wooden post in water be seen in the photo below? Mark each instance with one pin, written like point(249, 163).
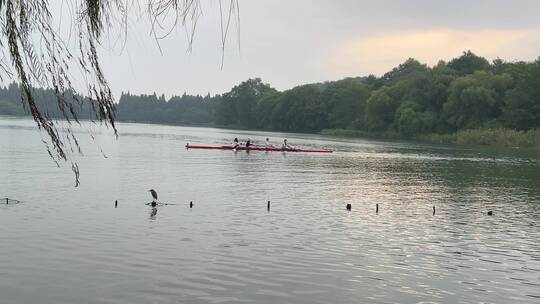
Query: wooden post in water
point(7, 201)
point(376, 208)
point(349, 207)
point(268, 206)
point(116, 204)
point(191, 204)
point(433, 210)
point(490, 213)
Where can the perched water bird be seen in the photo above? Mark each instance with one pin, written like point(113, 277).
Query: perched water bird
point(349, 207)
point(154, 196)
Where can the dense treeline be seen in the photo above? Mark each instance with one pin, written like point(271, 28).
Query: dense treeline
point(466, 93)
point(410, 101)
point(185, 109)
point(47, 101)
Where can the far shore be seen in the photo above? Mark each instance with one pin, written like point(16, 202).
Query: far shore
point(495, 137)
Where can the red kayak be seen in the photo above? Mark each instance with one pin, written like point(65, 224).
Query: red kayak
point(188, 146)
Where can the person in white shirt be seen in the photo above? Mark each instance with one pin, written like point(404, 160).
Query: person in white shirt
point(268, 144)
point(285, 145)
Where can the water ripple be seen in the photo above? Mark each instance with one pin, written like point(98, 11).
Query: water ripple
point(66, 245)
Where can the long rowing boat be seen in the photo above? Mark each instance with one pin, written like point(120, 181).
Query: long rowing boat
point(188, 146)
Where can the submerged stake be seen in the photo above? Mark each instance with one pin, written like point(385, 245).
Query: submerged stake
point(433, 210)
point(191, 204)
point(349, 207)
point(116, 204)
point(376, 208)
point(490, 213)
point(268, 206)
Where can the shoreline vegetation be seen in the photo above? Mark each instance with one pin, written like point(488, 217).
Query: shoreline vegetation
point(504, 138)
point(467, 100)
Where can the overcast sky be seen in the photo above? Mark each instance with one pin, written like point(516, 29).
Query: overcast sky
point(288, 43)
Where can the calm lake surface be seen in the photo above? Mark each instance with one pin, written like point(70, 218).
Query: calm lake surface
point(70, 245)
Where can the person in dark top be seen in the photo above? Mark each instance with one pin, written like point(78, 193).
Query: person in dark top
point(235, 143)
point(248, 143)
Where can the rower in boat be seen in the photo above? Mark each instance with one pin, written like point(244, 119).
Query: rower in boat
point(285, 145)
point(248, 143)
point(268, 144)
point(235, 143)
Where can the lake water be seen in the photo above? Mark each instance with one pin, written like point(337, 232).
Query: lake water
point(71, 245)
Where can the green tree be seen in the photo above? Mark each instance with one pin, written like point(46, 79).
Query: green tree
point(267, 117)
point(238, 107)
point(521, 108)
point(306, 110)
point(410, 68)
point(380, 109)
point(347, 102)
point(468, 63)
point(410, 120)
point(475, 99)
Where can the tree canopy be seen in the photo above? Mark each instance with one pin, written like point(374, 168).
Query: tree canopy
point(467, 92)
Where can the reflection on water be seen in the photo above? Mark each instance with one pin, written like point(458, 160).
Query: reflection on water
point(67, 245)
point(153, 213)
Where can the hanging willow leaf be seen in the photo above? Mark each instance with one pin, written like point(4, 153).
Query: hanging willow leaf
point(38, 56)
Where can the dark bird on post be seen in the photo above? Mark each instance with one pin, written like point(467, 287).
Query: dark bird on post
point(154, 194)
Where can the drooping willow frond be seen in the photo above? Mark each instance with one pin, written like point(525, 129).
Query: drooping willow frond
point(38, 56)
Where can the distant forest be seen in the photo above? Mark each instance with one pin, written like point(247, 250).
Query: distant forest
point(468, 92)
